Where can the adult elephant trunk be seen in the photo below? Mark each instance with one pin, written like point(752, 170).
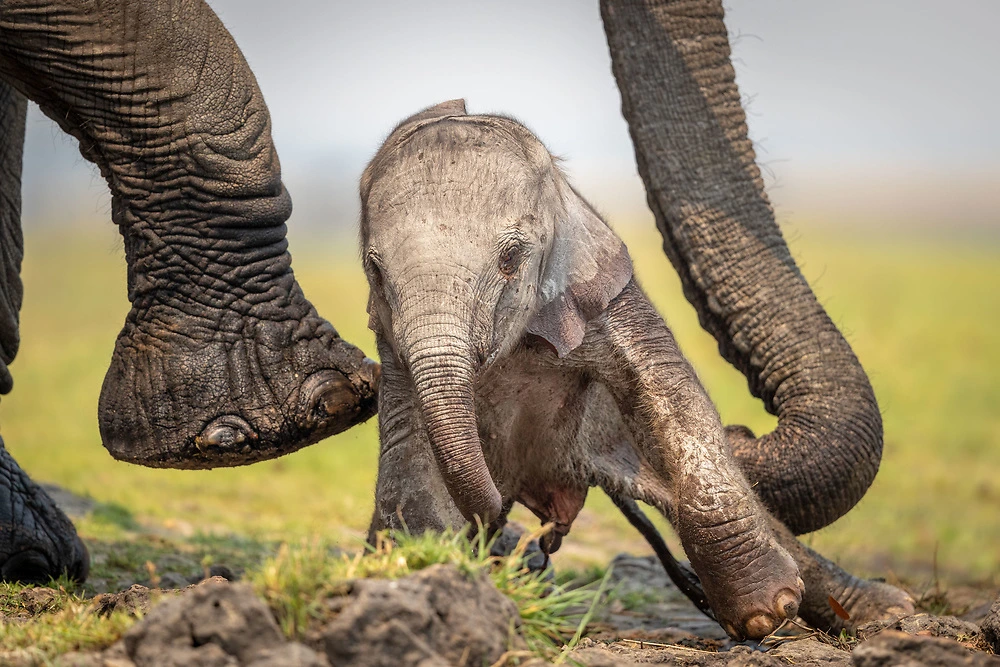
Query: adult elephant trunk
point(442, 366)
point(679, 95)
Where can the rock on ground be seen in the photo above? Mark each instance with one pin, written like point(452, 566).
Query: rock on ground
point(214, 624)
point(991, 627)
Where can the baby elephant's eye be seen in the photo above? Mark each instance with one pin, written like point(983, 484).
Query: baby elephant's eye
point(374, 275)
point(510, 259)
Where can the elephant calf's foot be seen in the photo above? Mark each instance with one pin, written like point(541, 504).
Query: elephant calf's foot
point(751, 582)
point(861, 600)
point(37, 541)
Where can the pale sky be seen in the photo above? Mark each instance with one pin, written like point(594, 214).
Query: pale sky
point(862, 111)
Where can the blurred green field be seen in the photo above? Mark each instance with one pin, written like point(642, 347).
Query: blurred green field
point(922, 314)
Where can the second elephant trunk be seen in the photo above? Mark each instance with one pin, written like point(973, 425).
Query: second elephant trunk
point(679, 95)
point(443, 374)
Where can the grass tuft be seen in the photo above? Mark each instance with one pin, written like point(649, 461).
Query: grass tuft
point(296, 581)
point(38, 624)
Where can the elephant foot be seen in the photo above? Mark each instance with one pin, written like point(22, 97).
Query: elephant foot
point(751, 582)
point(37, 541)
point(756, 598)
point(855, 601)
point(193, 386)
point(859, 600)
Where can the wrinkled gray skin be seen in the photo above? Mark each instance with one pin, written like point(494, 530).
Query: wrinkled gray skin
point(522, 363)
point(221, 360)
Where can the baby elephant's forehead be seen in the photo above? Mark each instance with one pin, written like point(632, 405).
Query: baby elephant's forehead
point(462, 165)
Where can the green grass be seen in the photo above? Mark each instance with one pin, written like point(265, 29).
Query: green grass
point(36, 625)
point(297, 581)
point(52, 622)
point(921, 313)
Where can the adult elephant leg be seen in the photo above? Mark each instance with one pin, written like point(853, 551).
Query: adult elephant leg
point(37, 541)
point(679, 95)
point(222, 360)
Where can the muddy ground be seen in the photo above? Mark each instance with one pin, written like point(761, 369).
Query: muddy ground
point(439, 617)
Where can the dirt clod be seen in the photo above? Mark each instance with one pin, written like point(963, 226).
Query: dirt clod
point(991, 627)
point(892, 648)
point(38, 599)
point(438, 616)
point(925, 625)
point(137, 599)
point(214, 624)
point(806, 652)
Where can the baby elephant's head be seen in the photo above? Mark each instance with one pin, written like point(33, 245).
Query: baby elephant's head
point(472, 240)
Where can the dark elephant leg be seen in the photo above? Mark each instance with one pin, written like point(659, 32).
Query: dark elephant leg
point(37, 541)
point(222, 360)
point(862, 599)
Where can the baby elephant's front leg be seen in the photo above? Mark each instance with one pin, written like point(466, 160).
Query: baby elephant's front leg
point(751, 582)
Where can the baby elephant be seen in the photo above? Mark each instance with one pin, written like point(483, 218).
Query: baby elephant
point(522, 363)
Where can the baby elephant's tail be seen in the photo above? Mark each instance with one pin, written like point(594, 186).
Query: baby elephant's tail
point(680, 573)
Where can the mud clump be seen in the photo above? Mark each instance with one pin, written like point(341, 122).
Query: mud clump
point(923, 624)
point(991, 627)
point(137, 599)
point(216, 623)
point(807, 653)
point(893, 648)
point(436, 616)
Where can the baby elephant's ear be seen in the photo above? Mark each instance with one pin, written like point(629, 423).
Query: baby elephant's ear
point(587, 267)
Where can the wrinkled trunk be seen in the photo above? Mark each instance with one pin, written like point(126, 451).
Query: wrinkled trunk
point(437, 350)
point(679, 95)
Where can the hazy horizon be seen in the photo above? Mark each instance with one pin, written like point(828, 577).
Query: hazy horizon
point(861, 114)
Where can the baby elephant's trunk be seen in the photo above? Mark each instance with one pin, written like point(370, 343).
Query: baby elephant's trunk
point(442, 368)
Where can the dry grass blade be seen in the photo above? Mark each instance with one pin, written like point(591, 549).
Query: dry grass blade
point(643, 644)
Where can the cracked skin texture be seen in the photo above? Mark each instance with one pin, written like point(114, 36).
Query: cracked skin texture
point(222, 360)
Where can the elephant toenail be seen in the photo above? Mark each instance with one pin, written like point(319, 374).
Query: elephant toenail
point(760, 626)
point(325, 395)
point(801, 584)
point(787, 605)
point(227, 432)
point(731, 631)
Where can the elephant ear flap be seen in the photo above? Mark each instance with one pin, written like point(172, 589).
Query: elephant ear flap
point(586, 268)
